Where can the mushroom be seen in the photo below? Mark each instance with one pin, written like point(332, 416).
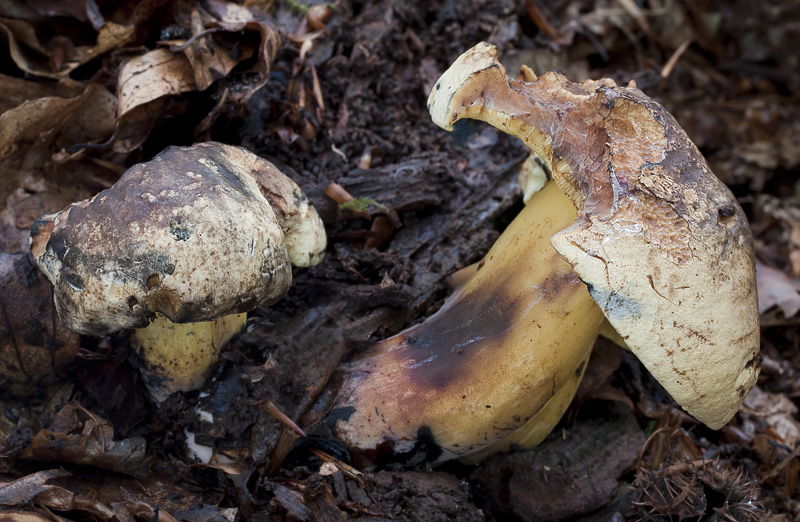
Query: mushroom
point(659, 243)
point(662, 245)
point(199, 234)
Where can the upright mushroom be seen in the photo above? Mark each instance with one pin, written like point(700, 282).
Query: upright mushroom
point(661, 245)
point(194, 235)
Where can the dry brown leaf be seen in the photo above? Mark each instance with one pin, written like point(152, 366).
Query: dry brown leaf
point(30, 134)
point(778, 411)
point(32, 489)
point(208, 60)
point(63, 122)
point(143, 79)
point(35, 347)
point(144, 84)
point(222, 40)
point(81, 437)
point(16, 90)
point(234, 19)
point(59, 57)
point(21, 32)
point(27, 516)
point(775, 288)
point(25, 489)
point(143, 509)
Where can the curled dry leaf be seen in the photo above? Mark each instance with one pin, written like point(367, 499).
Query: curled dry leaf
point(33, 489)
point(76, 435)
point(35, 347)
point(59, 121)
point(778, 411)
point(16, 91)
point(25, 516)
point(59, 57)
point(25, 489)
point(775, 288)
point(145, 83)
point(44, 122)
point(218, 44)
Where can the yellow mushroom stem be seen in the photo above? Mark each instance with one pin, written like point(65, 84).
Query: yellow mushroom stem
point(177, 357)
point(497, 365)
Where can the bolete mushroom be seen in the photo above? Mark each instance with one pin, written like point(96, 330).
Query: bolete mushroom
point(659, 243)
point(196, 235)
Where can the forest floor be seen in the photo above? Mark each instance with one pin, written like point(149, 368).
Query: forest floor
point(337, 94)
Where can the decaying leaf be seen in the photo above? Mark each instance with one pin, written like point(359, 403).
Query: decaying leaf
point(223, 37)
point(532, 482)
point(60, 56)
point(25, 489)
point(778, 412)
point(30, 134)
point(35, 347)
point(78, 436)
point(33, 489)
point(144, 83)
point(775, 288)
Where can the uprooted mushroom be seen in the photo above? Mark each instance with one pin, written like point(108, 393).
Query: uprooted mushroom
point(660, 247)
point(180, 248)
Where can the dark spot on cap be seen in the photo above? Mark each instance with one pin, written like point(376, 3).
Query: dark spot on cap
point(153, 281)
point(755, 362)
point(726, 216)
point(179, 230)
point(74, 280)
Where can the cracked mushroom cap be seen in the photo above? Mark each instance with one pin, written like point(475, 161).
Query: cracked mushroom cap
point(662, 245)
point(194, 234)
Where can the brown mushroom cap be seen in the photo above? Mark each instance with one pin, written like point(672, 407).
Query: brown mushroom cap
point(194, 234)
point(661, 243)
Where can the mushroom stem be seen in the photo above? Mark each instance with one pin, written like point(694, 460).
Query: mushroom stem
point(177, 357)
point(500, 349)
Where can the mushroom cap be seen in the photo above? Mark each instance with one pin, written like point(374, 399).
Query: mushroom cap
point(194, 234)
point(662, 245)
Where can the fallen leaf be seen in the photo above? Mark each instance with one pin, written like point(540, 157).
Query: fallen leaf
point(775, 288)
point(30, 134)
point(35, 348)
point(81, 437)
point(778, 411)
point(25, 489)
point(59, 57)
point(145, 83)
point(587, 461)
